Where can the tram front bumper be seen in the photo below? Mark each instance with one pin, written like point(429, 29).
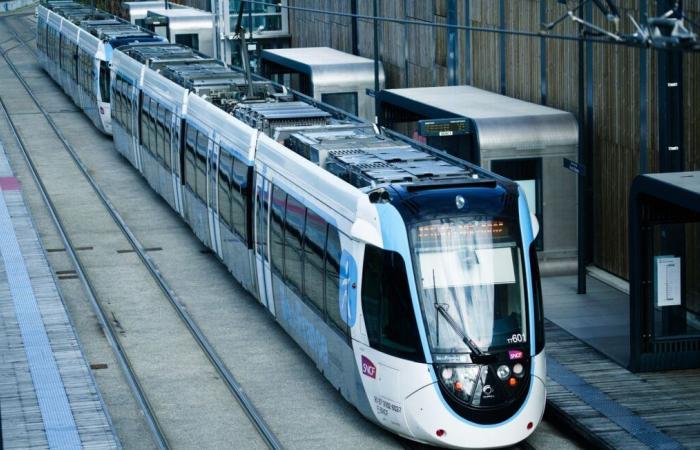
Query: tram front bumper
point(442, 426)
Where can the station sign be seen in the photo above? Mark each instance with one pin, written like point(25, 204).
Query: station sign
point(444, 127)
point(575, 167)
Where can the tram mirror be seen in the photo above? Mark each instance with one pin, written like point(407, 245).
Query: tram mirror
point(535, 225)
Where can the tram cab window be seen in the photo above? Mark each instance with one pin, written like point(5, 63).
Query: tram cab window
point(387, 307)
point(333, 253)
point(314, 244)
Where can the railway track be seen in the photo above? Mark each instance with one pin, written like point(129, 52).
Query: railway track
point(159, 435)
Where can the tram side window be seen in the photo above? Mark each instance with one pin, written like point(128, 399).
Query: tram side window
point(279, 200)
point(168, 121)
point(128, 107)
point(123, 111)
point(294, 226)
point(263, 206)
point(73, 61)
point(201, 157)
point(333, 253)
point(152, 136)
point(314, 245)
point(145, 106)
point(239, 190)
point(161, 132)
point(387, 307)
point(40, 33)
point(225, 163)
point(104, 81)
point(190, 143)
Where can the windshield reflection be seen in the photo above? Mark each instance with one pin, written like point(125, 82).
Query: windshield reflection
point(470, 282)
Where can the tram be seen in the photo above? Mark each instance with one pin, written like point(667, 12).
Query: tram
point(75, 44)
point(408, 276)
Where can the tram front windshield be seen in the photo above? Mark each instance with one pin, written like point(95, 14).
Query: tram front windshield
point(470, 278)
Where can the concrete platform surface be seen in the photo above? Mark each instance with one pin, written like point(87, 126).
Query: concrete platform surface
point(589, 387)
point(48, 397)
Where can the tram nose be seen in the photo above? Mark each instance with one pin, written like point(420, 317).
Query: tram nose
point(431, 420)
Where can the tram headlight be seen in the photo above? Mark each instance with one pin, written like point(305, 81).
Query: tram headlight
point(503, 372)
point(460, 380)
point(518, 370)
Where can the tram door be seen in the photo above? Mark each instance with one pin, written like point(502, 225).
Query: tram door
point(212, 196)
point(263, 190)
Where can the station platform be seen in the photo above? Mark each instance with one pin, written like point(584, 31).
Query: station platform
point(48, 397)
point(589, 388)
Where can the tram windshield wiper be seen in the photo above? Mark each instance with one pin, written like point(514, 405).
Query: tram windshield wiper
point(457, 329)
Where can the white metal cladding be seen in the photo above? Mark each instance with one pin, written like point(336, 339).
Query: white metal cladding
point(164, 91)
point(239, 135)
point(349, 202)
point(54, 20)
point(91, 44)
point(70, 30)
point(127, 67)
point(42, 12)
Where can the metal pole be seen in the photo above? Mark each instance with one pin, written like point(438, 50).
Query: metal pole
point(353, 26)
point(643, 98)
point(452, 43)
point(588, 152)
point(502, 43)
point(670, 76)
point(468, 44)
point(375, 11)
point(581, 289)
point(543, 56)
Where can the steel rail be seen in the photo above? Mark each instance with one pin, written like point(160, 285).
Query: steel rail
point(234, 387)
point(110, 333)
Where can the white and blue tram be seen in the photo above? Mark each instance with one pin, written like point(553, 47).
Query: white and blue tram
point(75, 44)
point(410, 278)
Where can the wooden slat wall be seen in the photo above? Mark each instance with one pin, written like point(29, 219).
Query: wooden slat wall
point(523, 53)
point(485, 48)
point(615, 144)
point(562, 63)
point(616, 101)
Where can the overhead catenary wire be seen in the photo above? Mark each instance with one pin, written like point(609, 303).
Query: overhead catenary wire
point(523, 33)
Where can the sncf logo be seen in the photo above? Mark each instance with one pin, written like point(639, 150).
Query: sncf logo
point(368, 368)
point(515, 354)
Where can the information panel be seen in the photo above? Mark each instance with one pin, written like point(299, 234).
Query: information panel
point(667, 279)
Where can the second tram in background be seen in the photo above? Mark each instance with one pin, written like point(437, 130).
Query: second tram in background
point(409, 277)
